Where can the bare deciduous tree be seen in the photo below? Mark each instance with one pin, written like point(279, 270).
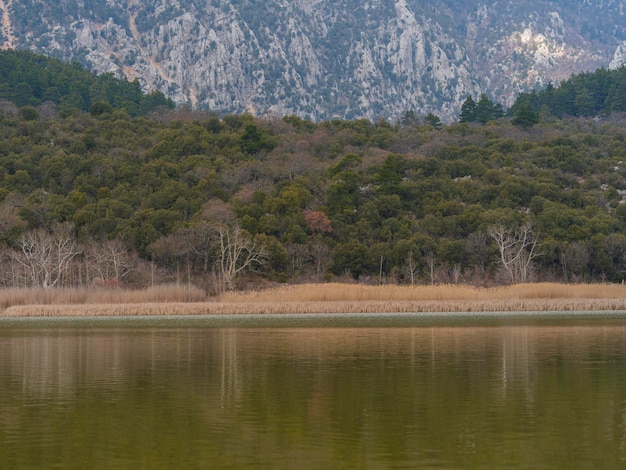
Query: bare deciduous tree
point(173, 253)
point(299, 254)
point(410, 267)
point(109, 260)
point(517, 250)
point(321, 258)
point(202, 242)
point(574, 259)
point(614, 246)
point(7, 271)
point(431, 263)
point(237, 252)
point(46, 256)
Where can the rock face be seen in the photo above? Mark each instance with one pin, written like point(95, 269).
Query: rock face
point(321, 59)
point(619, 58)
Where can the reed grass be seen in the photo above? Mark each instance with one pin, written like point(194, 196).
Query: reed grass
point(356, 292)
point(82, 296)
point(338, 307)
point(314, 298)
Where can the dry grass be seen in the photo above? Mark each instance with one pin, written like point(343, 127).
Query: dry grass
point(360, 293)
point(82, 296)
point(315, 298)
point(236, 308)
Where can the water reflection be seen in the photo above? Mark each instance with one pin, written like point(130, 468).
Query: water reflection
point(316, 397)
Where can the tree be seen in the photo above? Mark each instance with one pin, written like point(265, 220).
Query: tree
point(433, 120)
point(202, 243)
point(477, 248)
point(342, 194)
point(410, 267)
point(317, 222)
point(584, 103)
point(99, 108)
point(320, 254)
point(468, 110)
point(517, 250)
point(236, 253)
point(486, 110)
point(614, 247)
point(431, 263)
point(173, 252)
point(351, 257)
point(46, 256)
point(109, 260)
point(409, 118)
point(616, 98)
point(525, 116)
point(255, 139)
point(574, 258)
point(28, 113)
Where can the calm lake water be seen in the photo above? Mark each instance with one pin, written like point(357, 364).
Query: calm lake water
point(114, 395)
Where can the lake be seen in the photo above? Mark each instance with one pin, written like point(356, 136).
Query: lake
point(224, 393)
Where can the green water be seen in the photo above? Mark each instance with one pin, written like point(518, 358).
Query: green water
point(119, 395)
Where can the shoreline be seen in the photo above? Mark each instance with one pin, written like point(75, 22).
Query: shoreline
point(546, 319)
point(330, 298)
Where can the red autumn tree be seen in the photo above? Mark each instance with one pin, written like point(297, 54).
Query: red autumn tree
point(317, 221)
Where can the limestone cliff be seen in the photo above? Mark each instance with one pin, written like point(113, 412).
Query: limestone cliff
point(325, 58)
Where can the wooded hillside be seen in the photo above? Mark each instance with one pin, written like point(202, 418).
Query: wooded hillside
point(111, 198)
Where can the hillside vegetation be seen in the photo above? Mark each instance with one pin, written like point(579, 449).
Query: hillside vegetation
point(31, 79)
point(113, 198)
point(600, 93)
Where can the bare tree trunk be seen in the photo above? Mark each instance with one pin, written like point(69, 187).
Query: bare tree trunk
point(237, 252)
point(109, 260)
point(456, 273)
point(431, 261)
point(411, 268)
point(299, 255)
point(574, 259)
point(46, 257)
point(320, 257)
point(517, 250)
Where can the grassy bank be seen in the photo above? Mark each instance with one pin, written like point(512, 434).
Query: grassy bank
point(313, 298)
point(439, 293)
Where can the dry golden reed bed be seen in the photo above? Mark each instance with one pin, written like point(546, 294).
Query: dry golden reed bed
point(313, 298)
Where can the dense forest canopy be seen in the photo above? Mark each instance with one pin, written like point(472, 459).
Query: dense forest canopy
point(598, 93)
point(31, 79)
point(131, 197)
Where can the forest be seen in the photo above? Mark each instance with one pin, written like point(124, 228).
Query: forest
point(126, 190)
point(590, 94)
point(28, 79)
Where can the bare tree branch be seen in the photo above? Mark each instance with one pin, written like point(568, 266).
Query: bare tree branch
point(237, 252)
point(109, 260)
point(517, 249)
point(46, 256)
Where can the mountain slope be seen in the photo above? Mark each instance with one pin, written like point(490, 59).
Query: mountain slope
point(323, 58)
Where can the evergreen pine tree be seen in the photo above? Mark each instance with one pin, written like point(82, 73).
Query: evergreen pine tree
point(525, 116)
point(468, 110)
point(433, 120)
point(485, 109)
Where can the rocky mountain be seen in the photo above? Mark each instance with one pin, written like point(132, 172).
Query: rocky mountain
point(326, 58)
